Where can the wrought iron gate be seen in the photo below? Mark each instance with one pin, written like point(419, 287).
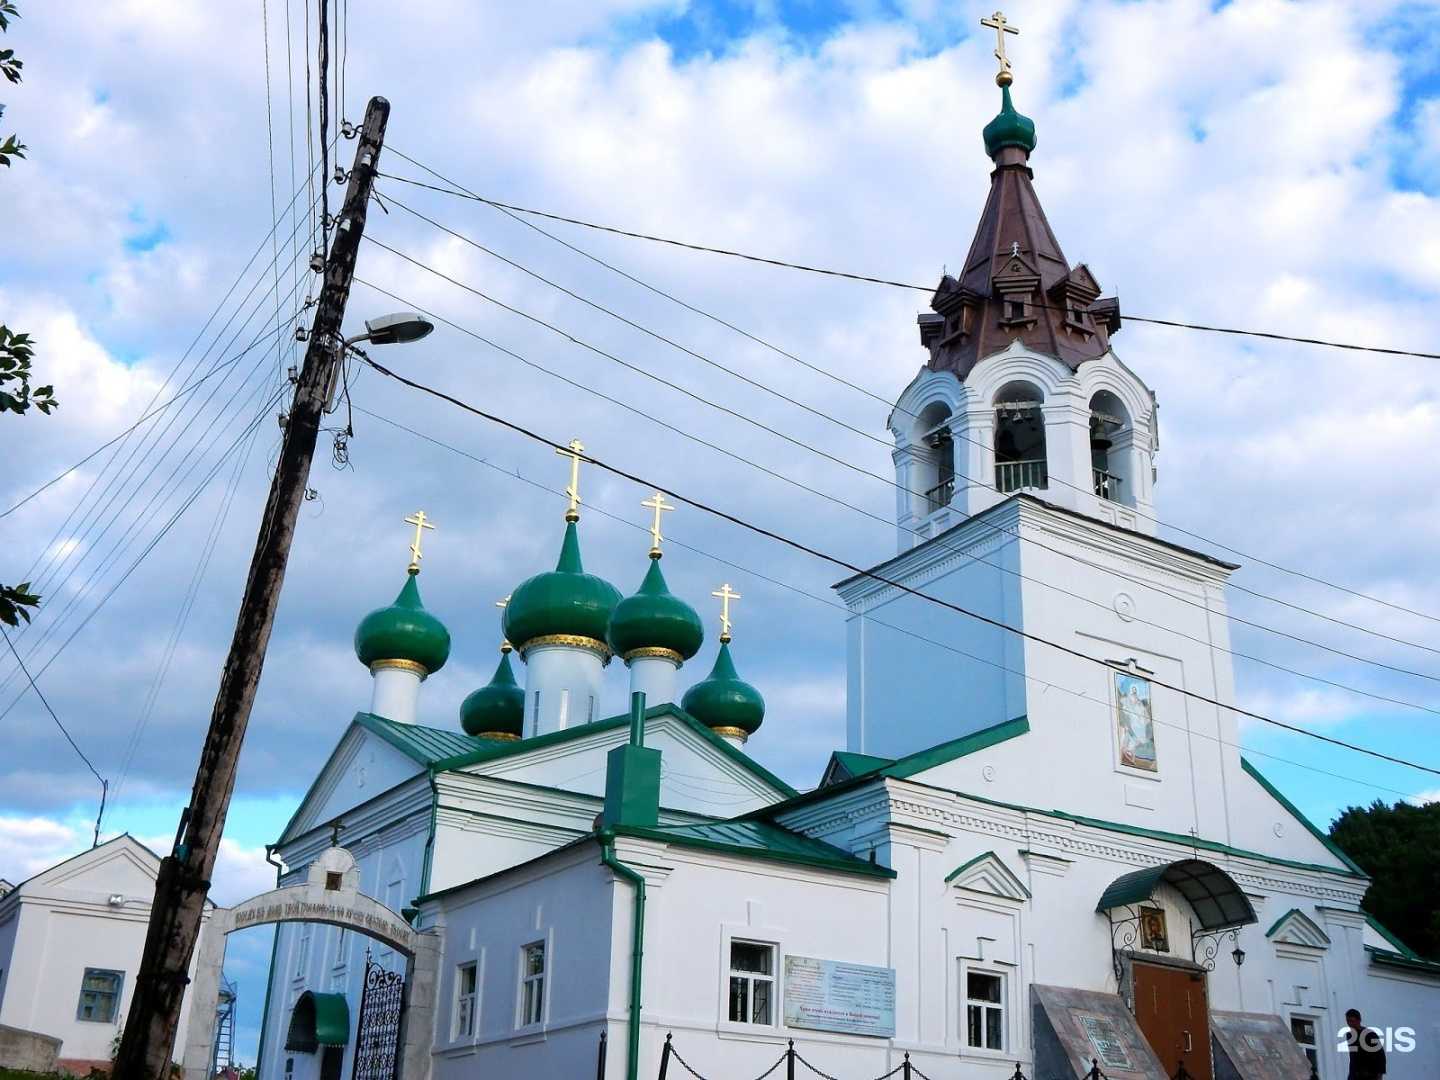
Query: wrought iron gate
point(377, 1034)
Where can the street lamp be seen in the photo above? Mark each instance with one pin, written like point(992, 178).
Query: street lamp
point(398, 328)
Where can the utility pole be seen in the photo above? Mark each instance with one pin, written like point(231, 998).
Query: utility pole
point(184, 879)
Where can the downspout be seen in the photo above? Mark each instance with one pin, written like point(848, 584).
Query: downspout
point(430, 837)
point(606, 837)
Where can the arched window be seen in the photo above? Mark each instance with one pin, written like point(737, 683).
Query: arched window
point(1020, 438)
point(1109, 457)
point(935, 446)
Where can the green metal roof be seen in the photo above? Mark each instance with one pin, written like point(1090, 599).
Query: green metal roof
point(1385, 932)
point(858, 764)
point(1217, 900)
point(1410, 963)
point(425, 745)
point(403, 631)
point(318, 1020)
point(762, 840)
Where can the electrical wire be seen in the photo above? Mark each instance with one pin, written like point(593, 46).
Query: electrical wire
point(1016, 535)
point(270, 154)
point(866, 616)
point(789, 265)
point(835, 560)
point(154, 542)
point(457, 189)
point(959, 475)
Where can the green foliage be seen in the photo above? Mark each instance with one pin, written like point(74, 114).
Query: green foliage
point(15, 355)
point(14, 599)
point(7, 12)
point(1396, 846)
point(11, 148)
point(9, 66)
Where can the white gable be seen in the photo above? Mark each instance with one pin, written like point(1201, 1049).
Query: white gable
point(695, 774)
point(361, 767)
point(1297, 928)
point(122, 866)
point(987, 873)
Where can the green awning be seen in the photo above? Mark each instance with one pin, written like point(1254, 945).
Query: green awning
point(318, 1020)
point(1218, 902)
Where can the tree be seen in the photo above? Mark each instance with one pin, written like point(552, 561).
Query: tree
point(1396, 846)
point(17, 395)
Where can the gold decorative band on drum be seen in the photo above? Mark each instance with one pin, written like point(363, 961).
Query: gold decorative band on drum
point(654, 652)
point(731, 733)
point(498, 736)
point(573, 641)
point(399, 665)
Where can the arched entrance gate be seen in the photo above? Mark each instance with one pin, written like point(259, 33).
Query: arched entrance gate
point(331, 894)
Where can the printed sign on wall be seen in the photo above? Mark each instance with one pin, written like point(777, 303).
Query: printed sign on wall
point(830, 995)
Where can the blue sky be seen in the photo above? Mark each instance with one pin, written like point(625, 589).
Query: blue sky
point(1258, 164)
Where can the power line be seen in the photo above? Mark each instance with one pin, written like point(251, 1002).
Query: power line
point(807, 447)
point(855, 569)
point(881, 442)
point(788, 265)
point(868, 617)
point(460, 190)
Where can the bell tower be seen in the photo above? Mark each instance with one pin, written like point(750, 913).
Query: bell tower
point(1020, 391)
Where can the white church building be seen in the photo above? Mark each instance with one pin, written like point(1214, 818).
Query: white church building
point(1050, 853)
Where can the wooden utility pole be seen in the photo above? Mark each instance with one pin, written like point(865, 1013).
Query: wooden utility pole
point(184, 878)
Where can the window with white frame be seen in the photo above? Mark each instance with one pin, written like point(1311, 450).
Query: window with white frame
point(100, 995)
point(752, 983)
point(302, 951)
point(532, 983)
point(984, 1010)
point(1306, 1032)
point(465, 999)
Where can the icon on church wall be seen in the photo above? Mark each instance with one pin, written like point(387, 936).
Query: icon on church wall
point(1152, 930)
point(1134, 722)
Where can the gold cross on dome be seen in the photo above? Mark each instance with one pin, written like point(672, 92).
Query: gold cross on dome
point(421, 523)
point(997, 22)
point(573, 452)
point(502, 604)
point(658, 504)
point(726, 594)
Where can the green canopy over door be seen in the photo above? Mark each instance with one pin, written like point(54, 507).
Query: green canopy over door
point(1218, 901)
point(318, 1020)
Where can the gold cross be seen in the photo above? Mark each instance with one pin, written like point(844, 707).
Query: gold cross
point(726, 594)
point(421, 523)
point(573, 452)
point(997, 22)
point(660, 506)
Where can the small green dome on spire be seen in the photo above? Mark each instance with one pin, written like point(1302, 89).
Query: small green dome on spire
point(404, 631)
point(1009, 128)
point(565, 601)
point(497, 709)
point(724, 702)
point(655, 618)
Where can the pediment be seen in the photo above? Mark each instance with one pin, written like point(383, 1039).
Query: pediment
point(122, 865)
point(1015, 269)
point(1080, 280)
point(362, 766)
point(1297, 928)
point(988, 874)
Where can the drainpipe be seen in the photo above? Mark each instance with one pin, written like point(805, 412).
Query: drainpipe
point(270, 979)
point(606, 837)
point(429, 855)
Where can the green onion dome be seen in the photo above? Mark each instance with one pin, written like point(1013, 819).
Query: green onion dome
point(565, 606)
point(497, 709)
point(1009, 128)
point(723, 702)
point(403, 633)
point(655, 619)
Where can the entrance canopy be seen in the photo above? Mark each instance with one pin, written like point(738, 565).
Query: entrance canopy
point(1218, 902)
point(318, 1020)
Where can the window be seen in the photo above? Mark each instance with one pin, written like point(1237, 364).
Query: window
point(532, 983)
point(1020, 454)
point(465, 983)
point(100, 995)
point(752, 983)
point(1303, 1028)
point(302, 952)
point(984, 1010)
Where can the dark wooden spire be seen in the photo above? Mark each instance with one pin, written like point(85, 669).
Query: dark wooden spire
point(1015, 282)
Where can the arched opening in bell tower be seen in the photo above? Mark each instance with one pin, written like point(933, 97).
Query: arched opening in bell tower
point(936, 441)
point(1020, 460)
point(1110, 438)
